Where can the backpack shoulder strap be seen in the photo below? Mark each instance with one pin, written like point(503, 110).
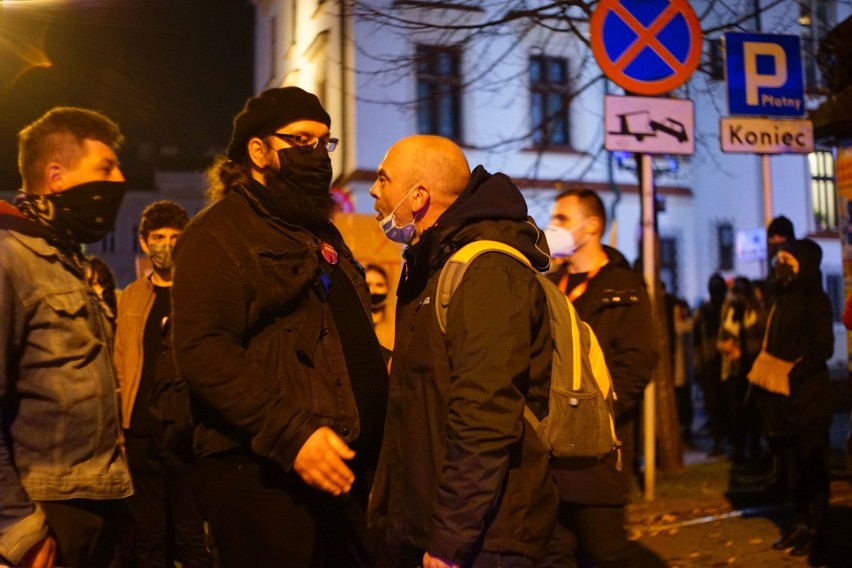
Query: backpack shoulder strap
point(455, 267)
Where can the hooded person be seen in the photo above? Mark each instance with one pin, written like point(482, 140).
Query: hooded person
point(462, 480)
point(799, 329)
point(272, 332)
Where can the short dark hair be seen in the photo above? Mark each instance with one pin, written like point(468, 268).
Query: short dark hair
point(160, 215)
point(377, 268)
point(59, 135)
point(590, 201)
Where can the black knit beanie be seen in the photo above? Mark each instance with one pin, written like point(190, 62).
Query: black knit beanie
point(271, 110)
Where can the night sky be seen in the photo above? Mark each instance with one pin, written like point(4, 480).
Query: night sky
point(172, 73)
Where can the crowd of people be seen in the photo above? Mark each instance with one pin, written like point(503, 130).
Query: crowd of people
point(241, 406)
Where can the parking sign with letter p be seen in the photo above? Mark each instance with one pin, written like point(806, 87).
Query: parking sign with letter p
point(764, 74)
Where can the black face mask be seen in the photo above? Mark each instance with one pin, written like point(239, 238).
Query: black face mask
point(86, 212)
point(378, 300)
point(308, 172)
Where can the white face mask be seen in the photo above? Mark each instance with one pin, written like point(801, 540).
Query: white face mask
point(395, 233)
point(561, 241)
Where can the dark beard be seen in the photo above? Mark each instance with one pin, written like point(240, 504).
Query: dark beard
point(299, 208)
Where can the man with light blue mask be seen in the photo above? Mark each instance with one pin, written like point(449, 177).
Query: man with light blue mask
point(462, 481)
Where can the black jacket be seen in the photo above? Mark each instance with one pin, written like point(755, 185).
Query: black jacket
point(800, 329)
point(460, 470)
point(252, 337)
point(616, 306)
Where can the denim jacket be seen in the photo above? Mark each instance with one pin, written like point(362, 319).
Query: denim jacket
point(61, 436)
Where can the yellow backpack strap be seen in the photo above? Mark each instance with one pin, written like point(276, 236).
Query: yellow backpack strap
point(455, 267)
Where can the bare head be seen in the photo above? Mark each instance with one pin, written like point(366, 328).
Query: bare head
point(419, 178)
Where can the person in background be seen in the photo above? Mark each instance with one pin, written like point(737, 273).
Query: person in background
point(612, 299)
point(740, 336)
point(273, 334)
point(64, 481)
point(779, 231)
point(799, 329)
point(708, 361)
point(100, 277)
point(377, 280)
point(165, 505)
point(684, 369)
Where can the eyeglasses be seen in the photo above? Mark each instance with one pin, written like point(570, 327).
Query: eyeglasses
point(307, 143)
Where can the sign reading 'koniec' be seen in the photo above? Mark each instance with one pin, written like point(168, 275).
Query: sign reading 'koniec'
point(766, 136)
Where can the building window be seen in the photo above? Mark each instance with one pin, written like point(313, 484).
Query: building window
point(668, 264)
point(823, 194)
point(550, 97)
point(439, 91)
point(816, 18)
point(108, 242)
point(726, 245)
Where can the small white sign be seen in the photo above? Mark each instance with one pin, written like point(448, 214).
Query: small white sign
point(766, 136)
point(649, 125)
point(751, 245)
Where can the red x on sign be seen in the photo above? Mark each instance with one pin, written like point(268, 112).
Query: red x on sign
point(646, 46)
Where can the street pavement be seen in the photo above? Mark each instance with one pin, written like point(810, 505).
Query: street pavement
point(713, 515)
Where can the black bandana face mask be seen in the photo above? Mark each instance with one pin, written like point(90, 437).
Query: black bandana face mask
point(86, 212)
point(307, 172)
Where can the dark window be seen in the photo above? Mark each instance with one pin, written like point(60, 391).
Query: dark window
point(439, 91)
point(668, 264)
point(726, 243)
point(108, 242)
point(550, 98)
point(715, 60)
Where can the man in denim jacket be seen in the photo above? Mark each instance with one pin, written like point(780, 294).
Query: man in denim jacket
point(63, 477)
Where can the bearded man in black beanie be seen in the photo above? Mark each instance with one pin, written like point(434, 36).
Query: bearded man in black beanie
point(272, 332)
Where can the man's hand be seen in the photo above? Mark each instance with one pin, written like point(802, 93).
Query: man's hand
point(320, 462)
point(41, 555)
point(430, 561)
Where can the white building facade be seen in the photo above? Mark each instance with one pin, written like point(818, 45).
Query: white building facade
point(526, 98)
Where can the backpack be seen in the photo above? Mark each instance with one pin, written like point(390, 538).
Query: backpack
point(580, 422)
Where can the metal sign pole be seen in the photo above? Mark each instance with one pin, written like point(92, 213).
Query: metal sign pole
point(767, 189)
point(649, 263)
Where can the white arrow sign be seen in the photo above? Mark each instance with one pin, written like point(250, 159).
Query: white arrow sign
point(649, 125)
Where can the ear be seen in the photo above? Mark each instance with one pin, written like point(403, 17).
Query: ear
point(420, 199)
point(258, 153)
point(54, 177)
point(595, 226)
point(143, 244)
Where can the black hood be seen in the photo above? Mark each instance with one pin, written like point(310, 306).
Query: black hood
point(490, 207)
point(809, 255)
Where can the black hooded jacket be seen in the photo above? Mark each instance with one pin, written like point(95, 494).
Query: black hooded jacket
point(460, 470)
point(800, 329)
